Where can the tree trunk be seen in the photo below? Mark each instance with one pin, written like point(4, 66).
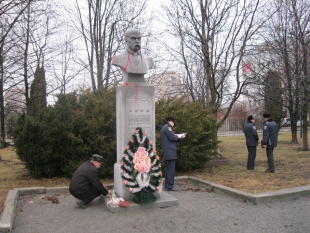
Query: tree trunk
point(305, 124)
point(25, 64)
point(1, 91)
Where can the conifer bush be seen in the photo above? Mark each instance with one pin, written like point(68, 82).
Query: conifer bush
point(59, 138)
point(195, 120)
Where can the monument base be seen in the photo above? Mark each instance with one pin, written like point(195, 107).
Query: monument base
point(165, 200)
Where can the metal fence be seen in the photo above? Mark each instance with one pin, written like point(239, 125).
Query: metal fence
point(236, 124)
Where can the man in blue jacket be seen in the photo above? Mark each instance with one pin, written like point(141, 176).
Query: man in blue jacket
point(169, 149)
point(85, 184)
point(270, 140)
point(251, 137)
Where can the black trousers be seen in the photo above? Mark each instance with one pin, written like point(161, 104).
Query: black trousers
point(169, 173)
point(269, 153)
point(87, 196)
point(251, 157)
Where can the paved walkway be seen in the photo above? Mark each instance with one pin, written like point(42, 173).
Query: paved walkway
point(200, 211)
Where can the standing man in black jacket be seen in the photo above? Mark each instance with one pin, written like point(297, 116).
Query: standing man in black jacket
point(270, 140)
point(85, 184)
point(251, 137)
point(169, 149)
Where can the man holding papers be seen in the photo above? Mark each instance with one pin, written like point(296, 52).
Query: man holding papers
point(169, 149)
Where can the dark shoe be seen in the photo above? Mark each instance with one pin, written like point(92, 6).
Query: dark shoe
point(268, 171)
point(173, 189)
point(81, 204)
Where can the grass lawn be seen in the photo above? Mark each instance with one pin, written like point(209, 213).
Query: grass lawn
point(292, 166)
point(292, 169)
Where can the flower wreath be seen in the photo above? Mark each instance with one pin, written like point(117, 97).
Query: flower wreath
point(141, 168)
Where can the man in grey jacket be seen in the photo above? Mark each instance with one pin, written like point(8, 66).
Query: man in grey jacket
point(270, 140)
point(169, 149)
point(251, 137)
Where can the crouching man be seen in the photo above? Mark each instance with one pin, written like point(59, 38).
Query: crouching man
point(85, 184)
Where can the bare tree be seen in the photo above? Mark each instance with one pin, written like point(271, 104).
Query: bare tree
point(301, 17)
point(10, 12)
point(102, 25)
point(37, 28)
point(286, 46)
point(65, 68)
point(240, 113)
point(212, 39)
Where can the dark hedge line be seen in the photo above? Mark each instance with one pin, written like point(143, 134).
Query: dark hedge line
point(61, 137)
point(192, 118)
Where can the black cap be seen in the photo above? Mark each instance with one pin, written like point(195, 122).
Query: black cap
point(97, 158)
point(266, 115)
point(250, 118)
point(170, 119)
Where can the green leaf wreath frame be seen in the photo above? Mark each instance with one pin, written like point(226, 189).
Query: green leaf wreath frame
point(141, 168)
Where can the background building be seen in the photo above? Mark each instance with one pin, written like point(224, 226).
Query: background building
point(167, 84)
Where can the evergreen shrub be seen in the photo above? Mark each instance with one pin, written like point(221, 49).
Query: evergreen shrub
point(57, 140)
point(192, 118)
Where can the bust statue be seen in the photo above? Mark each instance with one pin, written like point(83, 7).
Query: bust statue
point(132, 62)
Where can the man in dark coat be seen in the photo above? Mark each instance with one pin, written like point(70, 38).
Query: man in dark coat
point(169, 149)
point(270, 140)
point(85, 184)
point(251, 137)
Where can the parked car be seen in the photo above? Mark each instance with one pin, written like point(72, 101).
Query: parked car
point(298, 123)
point(286, 122)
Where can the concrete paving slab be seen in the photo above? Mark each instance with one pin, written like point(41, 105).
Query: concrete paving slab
point(8, 214)
point(213, 208)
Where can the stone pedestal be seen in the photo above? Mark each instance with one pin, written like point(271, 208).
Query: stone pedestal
point(135, 107)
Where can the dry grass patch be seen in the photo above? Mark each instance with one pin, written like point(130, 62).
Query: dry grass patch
point(13, 174)
point(292, 166)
